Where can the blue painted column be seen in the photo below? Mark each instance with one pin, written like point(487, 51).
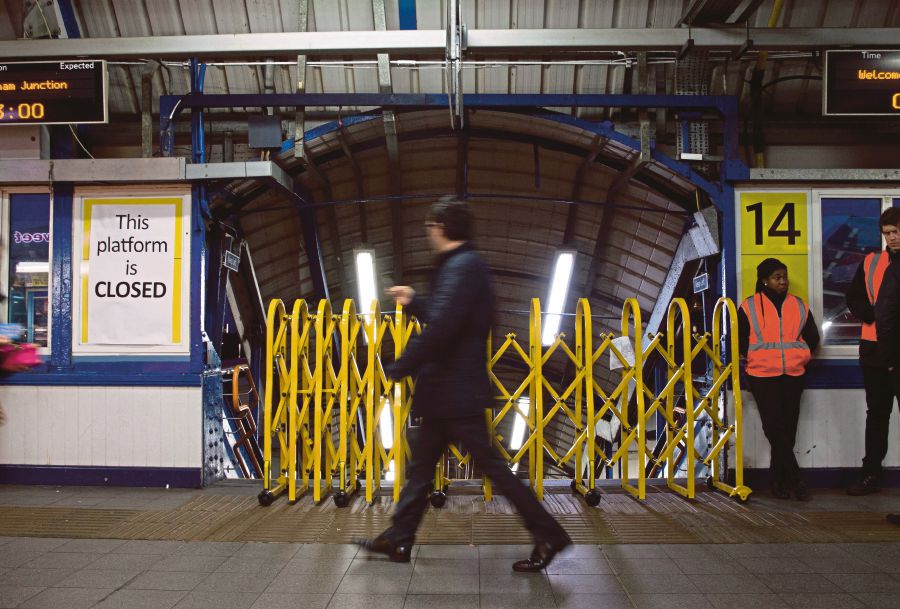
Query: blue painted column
point(61, 282)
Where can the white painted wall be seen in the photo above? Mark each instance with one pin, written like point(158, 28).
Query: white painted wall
point(831, 432)
point(102, 426)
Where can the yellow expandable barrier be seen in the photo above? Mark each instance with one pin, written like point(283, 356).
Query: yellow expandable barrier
point(331, 414)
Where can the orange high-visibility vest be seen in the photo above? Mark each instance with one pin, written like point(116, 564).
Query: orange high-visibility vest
point(776, 346)
point(875, 264)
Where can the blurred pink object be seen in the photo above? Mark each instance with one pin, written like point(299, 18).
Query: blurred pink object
point(14, 358)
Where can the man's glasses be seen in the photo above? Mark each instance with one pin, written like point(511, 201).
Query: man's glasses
point(431, 224)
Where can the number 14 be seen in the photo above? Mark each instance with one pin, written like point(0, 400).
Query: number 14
point(786, 212)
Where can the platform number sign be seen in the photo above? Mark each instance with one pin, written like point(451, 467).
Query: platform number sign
point(774, 225)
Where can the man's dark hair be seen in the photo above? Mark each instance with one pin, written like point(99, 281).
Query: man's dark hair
point(890, 216)
point(455, 216)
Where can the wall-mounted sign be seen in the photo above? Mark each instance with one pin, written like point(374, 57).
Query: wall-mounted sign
point(132, 276)
point(861, 83)
point(53, 92)
point(774, 225)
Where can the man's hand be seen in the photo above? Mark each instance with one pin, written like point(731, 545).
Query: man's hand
point(402, 294)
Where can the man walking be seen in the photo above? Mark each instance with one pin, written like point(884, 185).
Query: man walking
point(449, 359)
point(864, 297)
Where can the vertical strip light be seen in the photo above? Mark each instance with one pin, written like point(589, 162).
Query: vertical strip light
point(519, 426)
point(559, 289)
point(365, 284)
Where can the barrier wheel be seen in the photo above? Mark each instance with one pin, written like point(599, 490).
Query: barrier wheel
point(709, 483)
point(592, 497)
point(341, 499)
point(573, 486)
point(266, 498)
point(438, 499)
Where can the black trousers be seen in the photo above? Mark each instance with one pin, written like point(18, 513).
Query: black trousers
point(778, 400)
point(880, 391)
point(427, 447)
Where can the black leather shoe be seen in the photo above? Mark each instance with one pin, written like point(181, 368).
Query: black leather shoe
point(542, 555)
point(381, 545)
point(801, 491)
point(893, 518)
point(868, 485)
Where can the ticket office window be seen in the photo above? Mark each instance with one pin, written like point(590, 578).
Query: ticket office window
point(847, 223)
point(26, 265)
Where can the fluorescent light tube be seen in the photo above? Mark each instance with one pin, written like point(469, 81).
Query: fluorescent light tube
point(365, 284)
point(559, 289)
point(32, 267)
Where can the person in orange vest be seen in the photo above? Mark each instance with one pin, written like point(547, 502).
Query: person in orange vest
point(776, 335)
point(862, 298)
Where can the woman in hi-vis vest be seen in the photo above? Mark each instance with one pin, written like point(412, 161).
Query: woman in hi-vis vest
point(777, 335)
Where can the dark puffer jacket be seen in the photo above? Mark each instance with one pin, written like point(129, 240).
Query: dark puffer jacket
point(449, 357)
point(887, 316)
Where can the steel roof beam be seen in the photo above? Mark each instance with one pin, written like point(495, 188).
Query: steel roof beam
point(522, 42)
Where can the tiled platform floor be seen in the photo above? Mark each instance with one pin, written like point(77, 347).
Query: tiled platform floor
point(45, 567)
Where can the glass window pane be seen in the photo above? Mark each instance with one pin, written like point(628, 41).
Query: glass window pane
point(29, 265)
point(849, 232)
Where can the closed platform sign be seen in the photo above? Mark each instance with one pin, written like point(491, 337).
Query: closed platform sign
point(774, 225)
point(132, 272)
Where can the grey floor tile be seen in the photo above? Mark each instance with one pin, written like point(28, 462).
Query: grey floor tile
point(334, 566)
point(496, 565)
point(379, 567)
point(865, 582)
point(585, 584)
point(821, 601)
point(644, 565)
point(139, 562)
point(255, 549)
point(198, 564)
point(746, 601)
point(205, 599)
point(367, 601)
point(164, 580)
point(800, 583)
point(517, 551)
point(670, 601)
point(582, 551)
point(17, 559)
point(775, 564)
point(638, 550)
point(515, 583)
point(36, 577)
point(34, 544)
point(209, 548)
point(492, 600)
point(593, 601)
point(237, 581)
point(66, 598)
point(241, 564)
point(436, 566)
point(271, 600)
point(98, 578)
point(844, 564)
point(652, 583)
point(142, 546)
point(711, 566)
point(374, 584)
point(141, 599)
point(690, 551)
point(62, 560)
point(11, 595)
point(346, 550)
point(442, 601)
point(736, 583)
point(448, 583)
point(97, 546)
point(579, 566)
point(312, 583)
point(758, 550)
point(817, 550)
point(879, 600)
point(450, 551)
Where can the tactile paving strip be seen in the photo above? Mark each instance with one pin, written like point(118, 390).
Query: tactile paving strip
point(466, 519)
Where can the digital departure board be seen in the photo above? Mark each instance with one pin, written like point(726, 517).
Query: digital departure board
point(53, 92)
point(861, 83)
